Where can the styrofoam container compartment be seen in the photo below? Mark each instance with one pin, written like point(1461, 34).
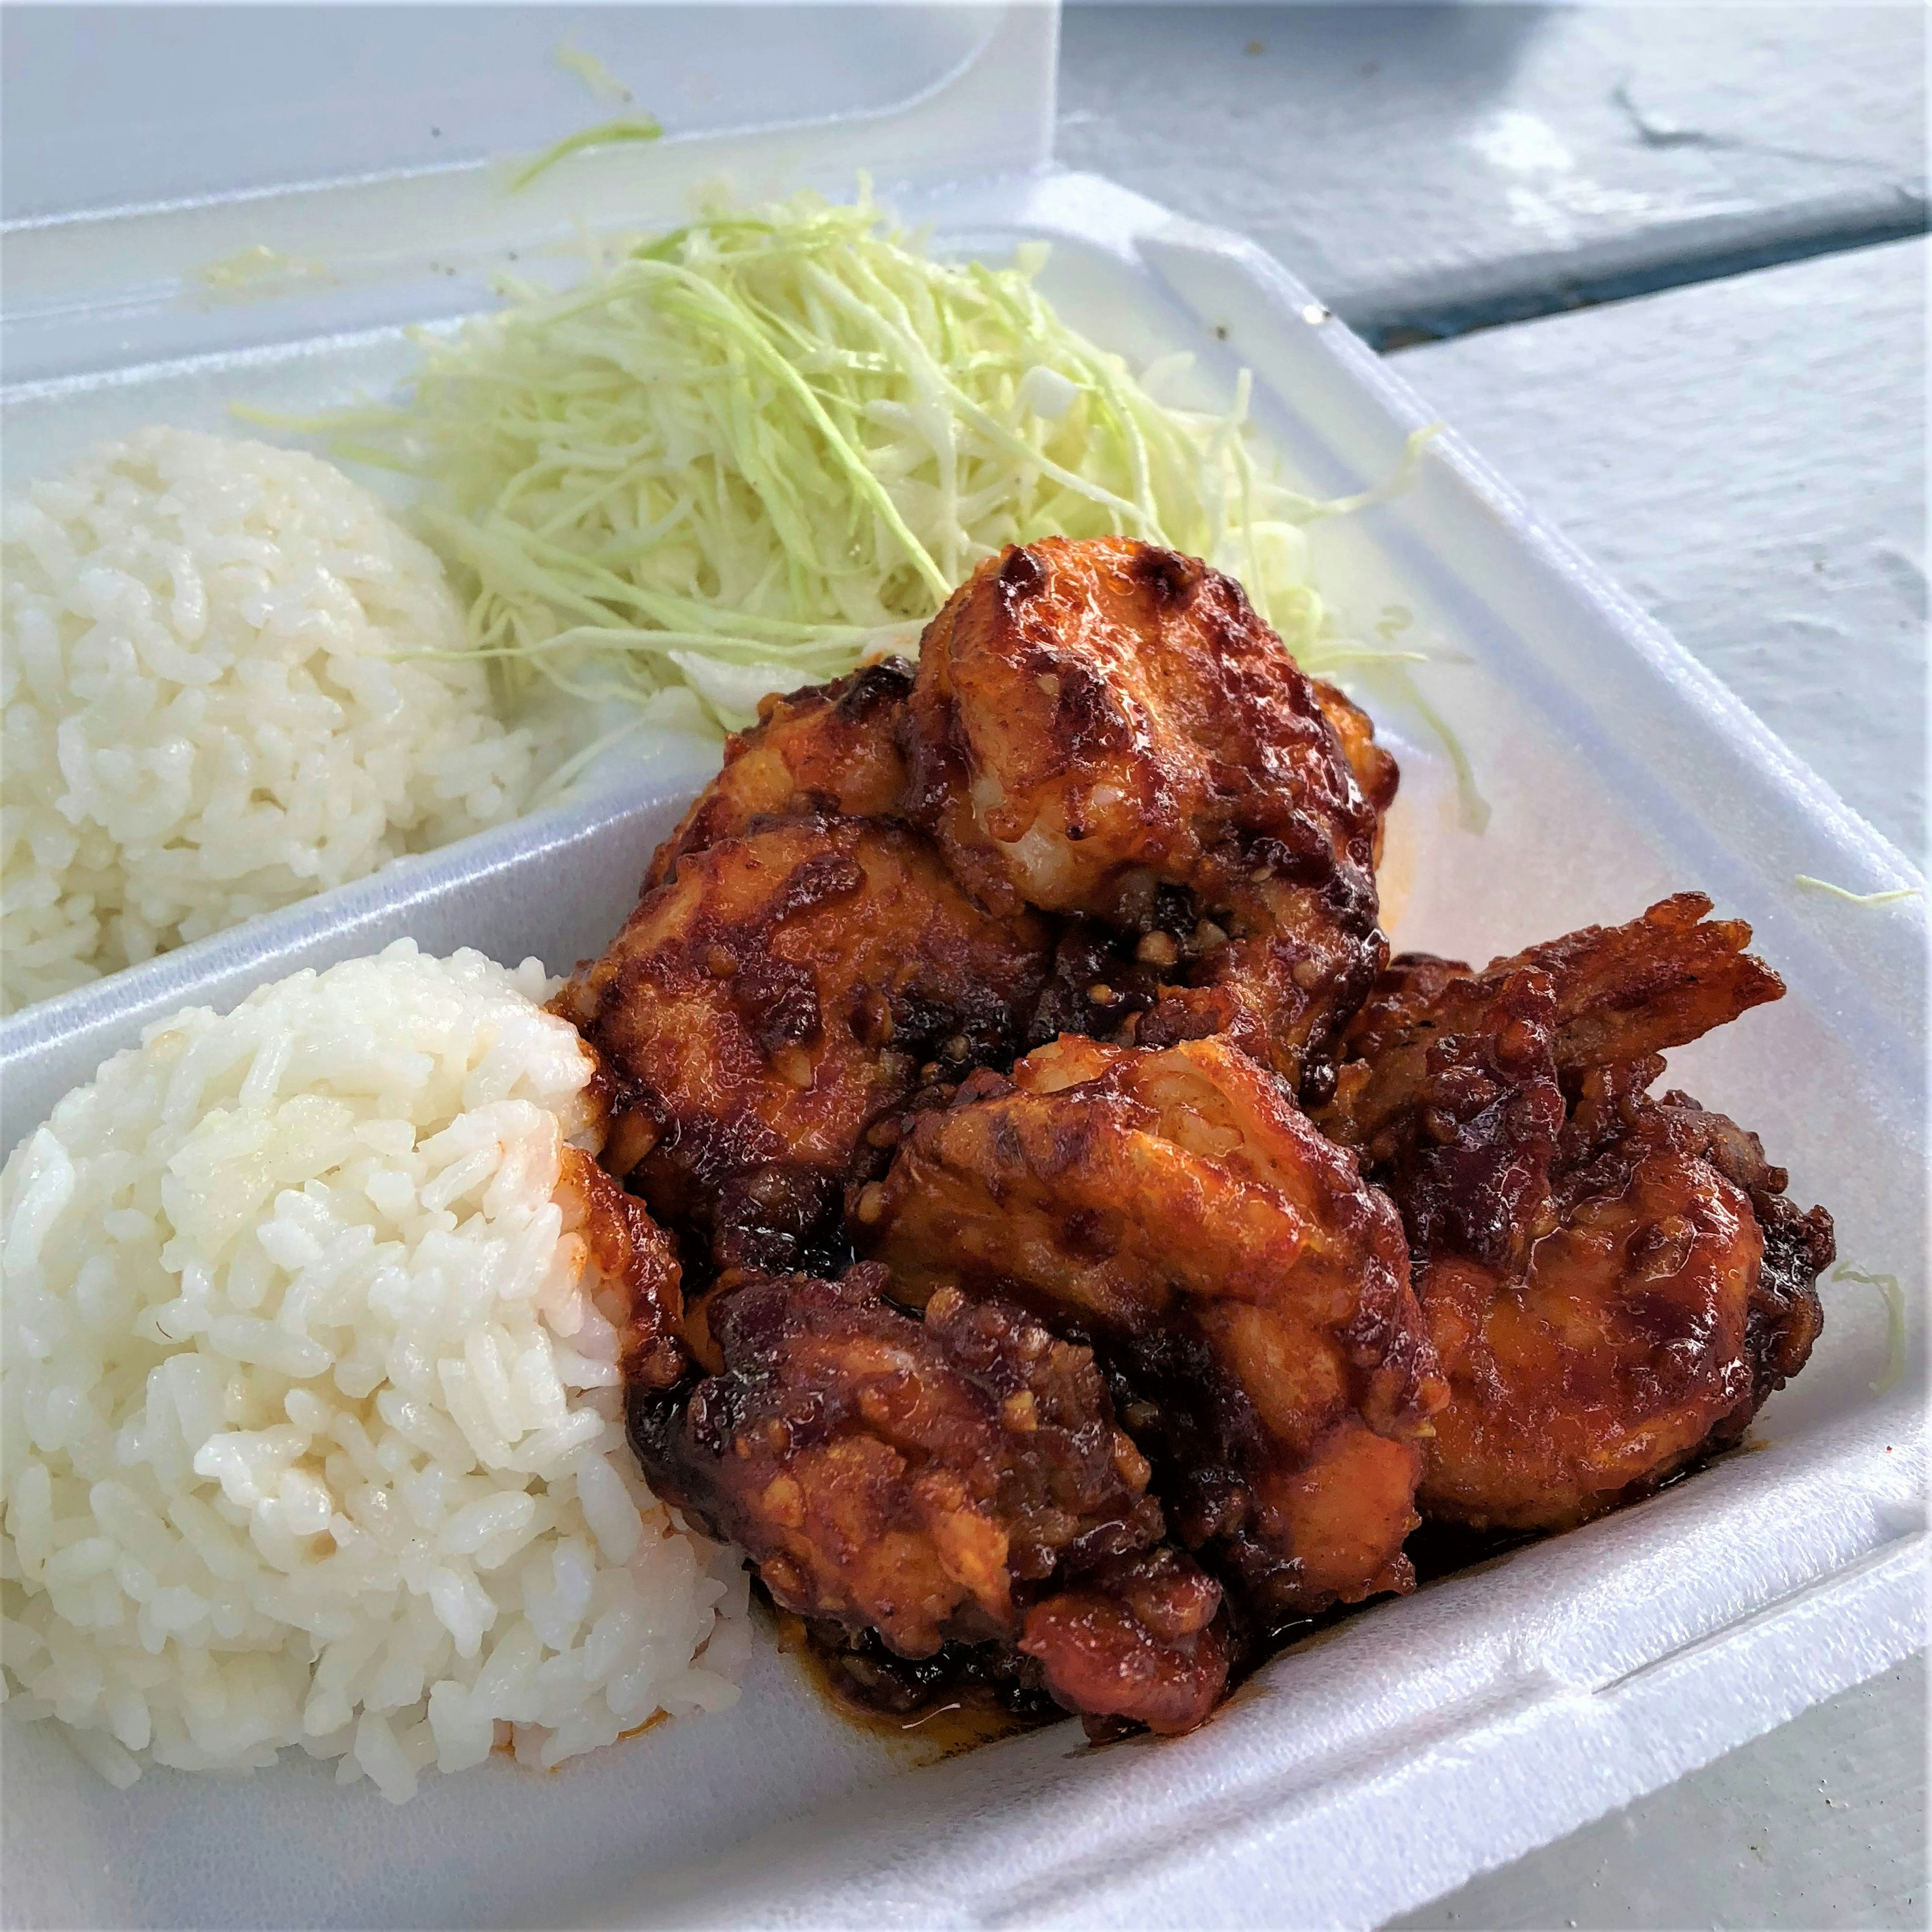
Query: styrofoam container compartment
point(1421, 1741)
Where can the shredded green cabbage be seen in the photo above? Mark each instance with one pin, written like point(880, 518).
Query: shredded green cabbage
point(260, 270)
point(749, 454)
point(591, 69)
point(1805, 881)
point(606, 133)
point(1893, 1296)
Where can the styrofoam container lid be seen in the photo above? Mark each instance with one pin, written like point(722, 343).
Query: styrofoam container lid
point(143, 145)
point(1423, 1739)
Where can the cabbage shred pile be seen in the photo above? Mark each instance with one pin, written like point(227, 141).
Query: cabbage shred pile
point(747, 455)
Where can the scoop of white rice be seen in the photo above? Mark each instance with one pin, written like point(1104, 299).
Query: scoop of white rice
point(204, 717)
point(311, 1413)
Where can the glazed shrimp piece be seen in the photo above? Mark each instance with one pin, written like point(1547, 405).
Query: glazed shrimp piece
point(830, 750)
point(957, 1478)
point(1247, 1291)
point(1107, 729)
point(771, 1001)
point(1614, 1285)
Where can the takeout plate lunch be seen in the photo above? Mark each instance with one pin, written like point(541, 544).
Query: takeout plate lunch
point(1422, 1739)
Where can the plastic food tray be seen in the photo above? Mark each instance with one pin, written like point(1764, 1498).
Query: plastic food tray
point(1423, 1739)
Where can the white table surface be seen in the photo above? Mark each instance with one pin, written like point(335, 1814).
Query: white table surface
point(1821, 1824)
point(1747, 458)
point(1745, 452)
point(1415, 164)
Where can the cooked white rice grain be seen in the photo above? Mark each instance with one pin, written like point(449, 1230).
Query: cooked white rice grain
point(311, 1413)
point(205, 714)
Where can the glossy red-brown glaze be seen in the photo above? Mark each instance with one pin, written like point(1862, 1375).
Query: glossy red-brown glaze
point(772, 999)
point(935, 1480)
point(829, 751)
point(1092, 722)
point(1613, 1284)
point(1249, 1291)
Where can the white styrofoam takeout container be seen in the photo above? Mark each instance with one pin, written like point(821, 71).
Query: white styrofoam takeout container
point(1424, 1740)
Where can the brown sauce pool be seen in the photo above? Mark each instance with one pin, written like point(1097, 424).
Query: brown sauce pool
point(934, 1709)
point(967, 1695)
point(971, 1695)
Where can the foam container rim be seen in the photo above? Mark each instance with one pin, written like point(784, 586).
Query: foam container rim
point(1621, 1656)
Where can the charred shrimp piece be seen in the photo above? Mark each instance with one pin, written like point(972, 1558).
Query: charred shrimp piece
point(1280, 988)
point(630, 1265)
point(776, 998)
point(957, 1478)
point(1102, 979)
point(1613, 1284)
point(1376, 773)
point(1245, 1288)
point(1784, 1317)
point(1138, 1639)
point(1615, 994)
point(829, 751)
point(1093, 722)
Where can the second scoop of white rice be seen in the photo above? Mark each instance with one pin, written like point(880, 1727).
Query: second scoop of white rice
point(311, 1402)
point(229, 679)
